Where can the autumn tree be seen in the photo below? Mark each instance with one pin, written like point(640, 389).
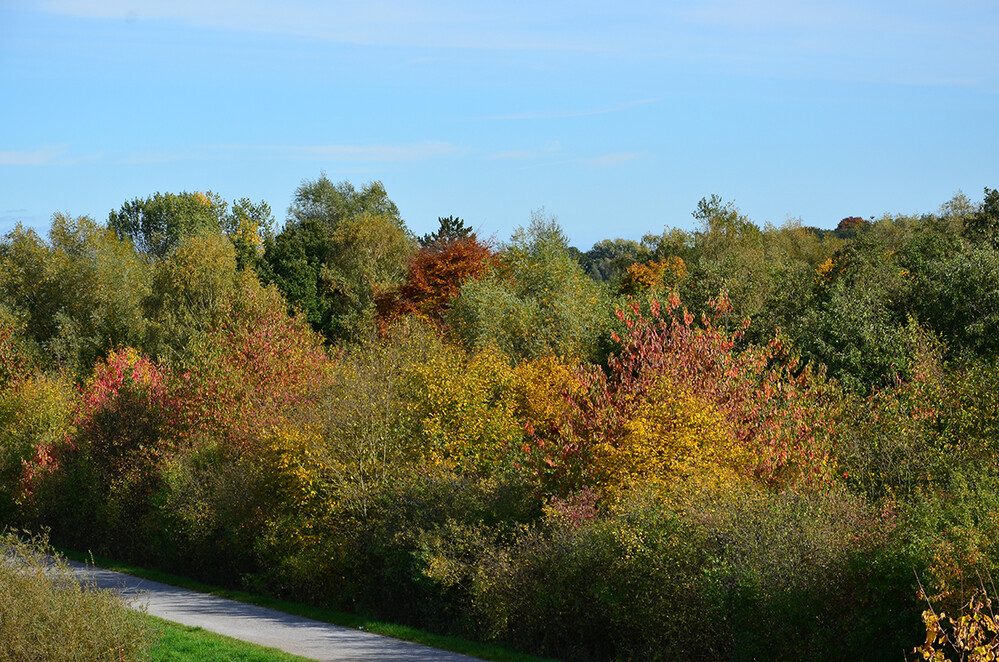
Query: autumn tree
point(678, 395)
point(434, 276)
point(93, 483)
point(36, 411)
point(658, 277)
point(249, 370)
point(465, 409)
point(849, 226)
point(242, 369)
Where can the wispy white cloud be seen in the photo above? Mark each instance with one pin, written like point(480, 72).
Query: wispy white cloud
point(883, 41)
point(516, 154)
point(568, 114)
point(547, 157)
point(151, 157)
point(603, 161)
point(922, 41)
point(352, 154)
point(48, 155)
point(439, 23)
point(553, 147)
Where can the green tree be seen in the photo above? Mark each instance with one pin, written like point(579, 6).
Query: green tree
point(959, 299)
point(768, 274)
point(730, 256)
point(609, 259)
point(193, 289)
point(536, 301)
point(18, 353)
point(451, 228)
point(369, 255)
point(338, 250)
point(726, 252)
point(81, 293)
point(896, 271)
point(155, 225)
point(322, 200)
point(249, 226)
point(983, 226)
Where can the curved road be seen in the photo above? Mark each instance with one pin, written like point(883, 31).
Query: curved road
point(267, 627)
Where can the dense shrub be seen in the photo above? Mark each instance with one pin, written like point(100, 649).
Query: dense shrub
point(35, 413)
point(704, 570)
point(47, 614)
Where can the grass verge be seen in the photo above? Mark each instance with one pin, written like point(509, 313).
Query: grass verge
point(491, 652)
point(182, 643)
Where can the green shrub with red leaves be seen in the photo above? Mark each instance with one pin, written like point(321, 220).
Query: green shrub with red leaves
point(92, 485)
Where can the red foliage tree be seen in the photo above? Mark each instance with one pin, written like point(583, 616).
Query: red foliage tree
point(120, 415)
point(93, 485)
point(434, 276)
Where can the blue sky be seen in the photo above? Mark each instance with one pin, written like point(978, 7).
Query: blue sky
point(615, 117)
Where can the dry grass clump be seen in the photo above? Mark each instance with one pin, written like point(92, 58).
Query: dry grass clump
point(47, 613)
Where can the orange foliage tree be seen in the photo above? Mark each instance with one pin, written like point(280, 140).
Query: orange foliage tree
point(434, 277)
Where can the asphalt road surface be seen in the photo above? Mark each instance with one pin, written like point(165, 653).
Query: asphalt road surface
point(267, 627)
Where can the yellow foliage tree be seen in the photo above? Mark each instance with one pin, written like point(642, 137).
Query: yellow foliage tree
point(540, 386)
point(466, 408)
point(294, 483)
point(672, 436)
point(35, 415)
point(668, 273)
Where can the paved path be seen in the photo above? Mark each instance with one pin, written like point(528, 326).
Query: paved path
point(267, 627)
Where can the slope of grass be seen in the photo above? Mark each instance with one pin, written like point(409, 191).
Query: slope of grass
point(173, 642)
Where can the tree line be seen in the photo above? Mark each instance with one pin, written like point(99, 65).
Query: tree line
point(731, 441)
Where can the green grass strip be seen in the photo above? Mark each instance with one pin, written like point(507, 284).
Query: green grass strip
point(491, 652)
point(182, 643)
